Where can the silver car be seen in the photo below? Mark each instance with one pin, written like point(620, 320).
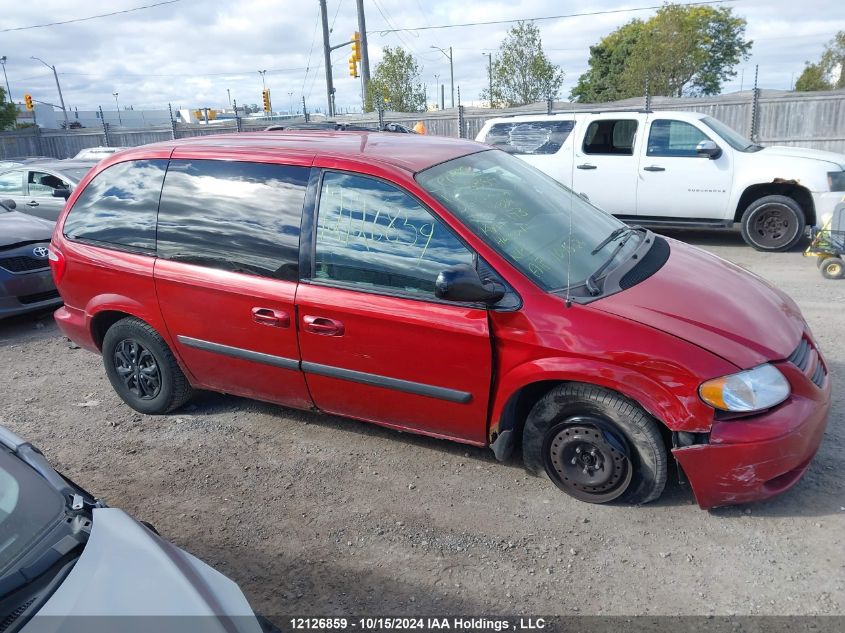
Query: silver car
point(42, 188)
point(70, 563)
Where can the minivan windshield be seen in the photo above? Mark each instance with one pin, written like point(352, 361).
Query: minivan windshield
point(28, 507)
point(731, 136)
point(544, 229)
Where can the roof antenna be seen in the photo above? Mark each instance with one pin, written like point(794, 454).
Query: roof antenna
point(571, 211)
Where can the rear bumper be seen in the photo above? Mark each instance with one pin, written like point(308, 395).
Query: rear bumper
point(74, 324)
point(26, 292)
point(754, 459)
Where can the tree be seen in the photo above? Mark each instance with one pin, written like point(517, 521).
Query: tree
point(812, 78)
point(8, 112)
point(681, 50)
point(396, 83)
point(829, 72)
point(521, 71)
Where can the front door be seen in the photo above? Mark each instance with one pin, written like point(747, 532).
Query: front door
point(39, 200)
point(606, 165)
point(226, 276)
point(376, 343)
point(675, 181)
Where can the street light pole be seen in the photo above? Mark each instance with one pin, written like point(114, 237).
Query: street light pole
point(263, 85)
point(229, 94)
point(58, 86)
point(290, 102)
point(8, 90)
point(451, 69)
point(117, 107)
point(490, 75)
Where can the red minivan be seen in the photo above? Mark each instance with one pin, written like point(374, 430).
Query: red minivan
point(442, 287)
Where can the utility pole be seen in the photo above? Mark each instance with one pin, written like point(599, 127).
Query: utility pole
point(58, 86)
point(490, 75)
point(8, 90)
point(451, 69)
point(229, 94)
point(365, 56)
point(327, 55)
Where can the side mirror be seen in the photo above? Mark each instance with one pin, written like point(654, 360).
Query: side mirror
point(709, 149)
point(61, 193)
point(9, 204)
point(462, 283)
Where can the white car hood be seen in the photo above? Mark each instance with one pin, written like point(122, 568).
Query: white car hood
point(126, 570)
point(802, 152)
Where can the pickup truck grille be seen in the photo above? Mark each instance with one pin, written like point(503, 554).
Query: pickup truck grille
point(807, 359)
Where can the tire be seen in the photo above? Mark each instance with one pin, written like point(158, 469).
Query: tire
point(833, 268)
point(773, 224)
point(142, 369)
point(617, 448)
point(820, 261)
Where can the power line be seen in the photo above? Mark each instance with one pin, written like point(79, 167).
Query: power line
point(546, 17)
point(92, 17)
point(310, 51)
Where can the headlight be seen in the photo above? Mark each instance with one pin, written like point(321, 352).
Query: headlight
point(836, 180)
point(750, 390)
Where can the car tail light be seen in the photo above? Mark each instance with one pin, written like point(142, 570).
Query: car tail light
point(58, 263)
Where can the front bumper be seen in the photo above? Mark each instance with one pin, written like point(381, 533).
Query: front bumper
point(26, 292)
point(756, 458)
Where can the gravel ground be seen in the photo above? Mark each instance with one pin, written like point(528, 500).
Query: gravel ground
point(314, 514)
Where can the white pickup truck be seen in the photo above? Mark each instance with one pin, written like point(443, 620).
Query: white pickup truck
point(679, 170)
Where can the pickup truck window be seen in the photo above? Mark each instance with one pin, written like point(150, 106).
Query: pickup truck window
point(674, 138)
point(611, 136)
point(532, 137)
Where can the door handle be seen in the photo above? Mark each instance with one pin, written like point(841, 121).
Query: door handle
point(322, 325)
point(273, 318)
point(654, 168)
point(32, 203)
point(586, 166)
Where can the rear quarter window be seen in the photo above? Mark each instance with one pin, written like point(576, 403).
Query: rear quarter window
point(532, 137)
point(119, 206)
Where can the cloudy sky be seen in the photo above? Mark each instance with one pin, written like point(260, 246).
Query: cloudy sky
point(189, 52)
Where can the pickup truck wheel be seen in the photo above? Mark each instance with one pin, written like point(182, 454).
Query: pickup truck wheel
point(595, 445)
point(773, 223)
point(833, 268)
point(142, 369)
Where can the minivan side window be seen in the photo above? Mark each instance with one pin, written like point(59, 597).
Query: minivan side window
point(236, 216)
point(673, 138)
point(373, 236)
point(532, 137)
point(611, 136)
point(118, 207)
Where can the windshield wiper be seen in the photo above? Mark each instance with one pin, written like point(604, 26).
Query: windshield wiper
point(615, 234)
point(624, 232)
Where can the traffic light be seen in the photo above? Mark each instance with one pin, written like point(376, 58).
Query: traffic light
point(265, 96)
point(353, 66)
point(27, 99)
point(356, 46)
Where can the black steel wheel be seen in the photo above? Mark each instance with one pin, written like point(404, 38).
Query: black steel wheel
point(138, 369)
point(773, 223)
point(142, 369)
point(595, 445)
point(588, 460)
